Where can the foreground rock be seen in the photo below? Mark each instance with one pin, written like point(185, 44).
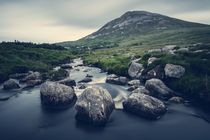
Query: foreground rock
point(113, 79)
point(10, 84)
point(68, 82)
point(56, 95)
point(144, 105)
point(174, 71)
point(94, 106)
point(158, 89)
point(135, 70)
point(177, 100)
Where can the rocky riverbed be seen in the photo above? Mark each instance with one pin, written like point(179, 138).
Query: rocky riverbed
point(24, 116)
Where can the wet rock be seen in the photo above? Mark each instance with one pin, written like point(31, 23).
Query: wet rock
point(94, 106)
point(174, 71)
point(144, 105)
point(158, 89)
point(113, 79)
point(66, 66)
point(85, 80)
point(54, 94)
point(10, 84)
point(32, 76)
point(151, 60)
point(68, 82)
point(32, 83)
point(135, 70)
point(142, 90)
point(88, 75)
point(177, 100)
point(132, 88)
point(82, 86)
point(135, 83)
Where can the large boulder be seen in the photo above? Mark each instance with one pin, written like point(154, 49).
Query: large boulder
point(68, 82)
point(32, 83)
point(158, 89)
point(54, 94)
point(94, 106)
point(113, 79)
point(174, 71)
point(10, 84)
point(135, 70)
point(144, 105)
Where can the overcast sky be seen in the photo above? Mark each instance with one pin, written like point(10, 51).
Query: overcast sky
point(65, 20)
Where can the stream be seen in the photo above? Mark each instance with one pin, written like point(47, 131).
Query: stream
point(22, 117)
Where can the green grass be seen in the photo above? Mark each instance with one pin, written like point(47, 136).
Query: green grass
point(21, 57)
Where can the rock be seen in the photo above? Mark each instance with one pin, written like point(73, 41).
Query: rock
point(10, 84)
point(88, 75)
point(157, 72)
point(183, 49)
point(94, 106)
point(144, 105)
point(32, 76)
point(82, 86)
point(135, 83)
point(177, 100)
point(132, 88)
point(151, 60)
point(113, 79)
point(154, 50)
point(54, 94)
point(18, 75)
point(142, 90)
point(32, 83)
point(135, 70)
point(174, 71)
point(86, 70)
point(158, 89)
point(85, 80)
point(68, 82)
point(66, 66)
point(169, 49)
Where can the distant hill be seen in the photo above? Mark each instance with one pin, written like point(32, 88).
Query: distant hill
point(137, 28)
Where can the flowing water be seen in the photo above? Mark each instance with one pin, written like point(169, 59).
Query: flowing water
point(22, 117)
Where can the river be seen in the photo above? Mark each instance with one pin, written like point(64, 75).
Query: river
point(22, 117)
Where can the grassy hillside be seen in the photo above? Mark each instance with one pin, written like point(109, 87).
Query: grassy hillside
point(21, 57)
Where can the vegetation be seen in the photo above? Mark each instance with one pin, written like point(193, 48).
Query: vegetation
point(57, 75)
point(17, 57)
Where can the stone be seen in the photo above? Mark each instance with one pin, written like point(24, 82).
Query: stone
point(94, 106)
point(85, 80)
point(144, 105)
point(10, 84)
point(66, 66)
point(157, 72)
point(151, 60)
point(113, 79)
point(177, 100)
point(135, 83)
point(68, 82)
point(158, 89)
point(135, 70)
point(32, 83)
point(174, 71)
point(54, 94)
point(32, 76)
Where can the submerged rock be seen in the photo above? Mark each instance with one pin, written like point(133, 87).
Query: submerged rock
point(158, 89)
point(144, 105)
point(135, 70)
point(68, 82)
point(54, 94)
point(177, 100)
point(113, 79)
point(10, 84)
point(174, 71)
point(94, 106)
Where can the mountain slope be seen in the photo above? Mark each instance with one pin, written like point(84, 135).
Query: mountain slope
point(137, 28)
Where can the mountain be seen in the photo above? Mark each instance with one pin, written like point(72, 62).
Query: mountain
point(136, 28)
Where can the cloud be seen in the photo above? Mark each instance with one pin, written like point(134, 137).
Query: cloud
point(53, 20)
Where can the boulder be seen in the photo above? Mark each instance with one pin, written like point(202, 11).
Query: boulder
point(135, 83)
point(113, 79)
point(10, 84)
point(32, 76)
point(158, 89)
point(132, 88)
point(94, 106)
point(151, 60)
point(66, 66)
point(68, 82)
point(54, 94)
point(174, 71)
point(32, 83)
point(142, 90)
point(82, 86)
point(135, 70)
point(144, 105)
point(157, 72)
point(85, 80)
point(177, 100)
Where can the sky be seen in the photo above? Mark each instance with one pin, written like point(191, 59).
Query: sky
point(50, 21)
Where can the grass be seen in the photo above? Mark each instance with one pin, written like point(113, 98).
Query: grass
point(17, 57)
